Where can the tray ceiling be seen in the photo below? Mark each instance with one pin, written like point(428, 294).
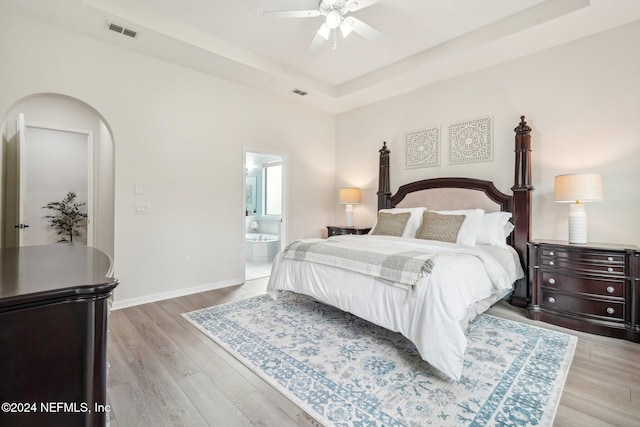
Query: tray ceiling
point(424, 40)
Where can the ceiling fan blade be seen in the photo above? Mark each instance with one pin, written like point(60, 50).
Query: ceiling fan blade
point(366, 31)
point(317, 42)
point(294, 13)
point(353, 5)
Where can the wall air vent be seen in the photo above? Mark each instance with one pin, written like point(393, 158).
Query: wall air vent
point(299, 92)
point(122, 30)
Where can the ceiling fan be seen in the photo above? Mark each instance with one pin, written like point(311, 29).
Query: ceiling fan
point(335, 13)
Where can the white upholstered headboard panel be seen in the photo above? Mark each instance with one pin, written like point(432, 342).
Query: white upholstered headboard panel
point(449, 199)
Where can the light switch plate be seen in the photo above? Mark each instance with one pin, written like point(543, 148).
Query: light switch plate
point(142, 208)
point(137, 188)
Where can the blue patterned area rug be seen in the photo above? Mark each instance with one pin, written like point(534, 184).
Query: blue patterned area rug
point(344, 371)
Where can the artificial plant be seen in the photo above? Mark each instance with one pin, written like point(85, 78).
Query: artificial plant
point(69, 218)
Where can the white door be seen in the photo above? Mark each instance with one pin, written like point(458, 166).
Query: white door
point(53, 162)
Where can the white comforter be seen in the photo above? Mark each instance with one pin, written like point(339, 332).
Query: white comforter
point(464, 282)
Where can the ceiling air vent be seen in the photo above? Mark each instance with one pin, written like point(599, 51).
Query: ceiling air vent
point(299, 92)
point(122, 30)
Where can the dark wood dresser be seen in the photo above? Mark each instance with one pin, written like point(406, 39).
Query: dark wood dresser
point(54, 304)
point(592, 288)
point(335, 230)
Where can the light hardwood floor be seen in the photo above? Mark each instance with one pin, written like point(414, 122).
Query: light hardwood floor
point(164, 372)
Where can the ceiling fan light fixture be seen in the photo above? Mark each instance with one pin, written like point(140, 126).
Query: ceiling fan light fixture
point(333, 20)
point(346, 28)
point(324, 31)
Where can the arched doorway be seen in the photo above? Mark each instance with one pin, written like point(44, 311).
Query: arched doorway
point(48, 117)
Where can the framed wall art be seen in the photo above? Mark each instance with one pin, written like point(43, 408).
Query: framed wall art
point(422, 148)
point(471, 141)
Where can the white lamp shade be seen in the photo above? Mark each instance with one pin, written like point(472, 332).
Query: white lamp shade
point(578, 188)
point(349, 196)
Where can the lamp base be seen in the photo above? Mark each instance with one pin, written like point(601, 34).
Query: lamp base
point(349, 216)
point(577, 224)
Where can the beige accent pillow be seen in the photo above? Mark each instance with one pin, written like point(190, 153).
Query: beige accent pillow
point(414, 220)
point(441, 227)
point(469, 231)
point(391, 224)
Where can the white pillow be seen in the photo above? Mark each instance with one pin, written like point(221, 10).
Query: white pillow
point(494, 229)
point(413, 224)
point(470, 227)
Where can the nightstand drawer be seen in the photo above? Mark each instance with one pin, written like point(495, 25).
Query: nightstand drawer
point(596, 286)
point(337, 230)
point(575, 265)
point(590, 307)
point(584, 256)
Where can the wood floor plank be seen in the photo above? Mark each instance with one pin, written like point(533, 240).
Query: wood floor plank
point(131, 407)
point(601, 410)
point(164, 371)
point(570, 417)
point(226, 371)
point(202, 392)
point(151, 386)
point(173, 358)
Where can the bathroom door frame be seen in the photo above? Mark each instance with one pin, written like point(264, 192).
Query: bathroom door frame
point(284, 228)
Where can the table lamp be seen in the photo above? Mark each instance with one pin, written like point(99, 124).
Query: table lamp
point(349, 197)
point(578, 189)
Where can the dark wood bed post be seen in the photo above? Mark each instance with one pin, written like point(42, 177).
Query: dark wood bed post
point(384, 183)
point(522, 189)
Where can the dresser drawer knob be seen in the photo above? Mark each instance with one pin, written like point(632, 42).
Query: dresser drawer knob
point(610, 310)
point(610, 289)
point(610, 270)
point(551, 263)
point(551, 300)
point(610, 259)
point(552, 253)
point(552, 281)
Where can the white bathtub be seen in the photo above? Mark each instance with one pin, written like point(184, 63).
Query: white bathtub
point(260, 247)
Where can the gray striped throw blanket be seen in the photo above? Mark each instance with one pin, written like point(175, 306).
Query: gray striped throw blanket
point(399, 266)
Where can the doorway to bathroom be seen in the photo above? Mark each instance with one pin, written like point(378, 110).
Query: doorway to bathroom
point(264, 210)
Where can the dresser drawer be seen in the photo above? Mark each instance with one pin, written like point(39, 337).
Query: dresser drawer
point(602, 267)
point(584, 256)
point(595, 286)
point(610, 310)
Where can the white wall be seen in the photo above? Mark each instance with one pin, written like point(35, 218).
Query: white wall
point(581, 100)
point(181, 135)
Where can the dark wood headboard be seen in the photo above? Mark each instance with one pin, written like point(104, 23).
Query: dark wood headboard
point(518, 203)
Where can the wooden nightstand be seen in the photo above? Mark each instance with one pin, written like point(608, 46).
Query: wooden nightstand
point(593, 288)
point(334, 230)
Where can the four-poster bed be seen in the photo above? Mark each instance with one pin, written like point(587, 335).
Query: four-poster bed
point(519, 204)
point(420, 272)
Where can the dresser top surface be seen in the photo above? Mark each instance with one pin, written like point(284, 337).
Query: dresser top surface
point(37, 273)
point(590, 245)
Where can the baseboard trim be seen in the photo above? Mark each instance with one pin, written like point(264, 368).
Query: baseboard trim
point(131, 302)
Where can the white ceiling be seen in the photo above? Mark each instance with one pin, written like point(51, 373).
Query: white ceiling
point(424, 40)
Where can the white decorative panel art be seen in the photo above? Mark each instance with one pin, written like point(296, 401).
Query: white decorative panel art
point(471, 141)
point(422, 148)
